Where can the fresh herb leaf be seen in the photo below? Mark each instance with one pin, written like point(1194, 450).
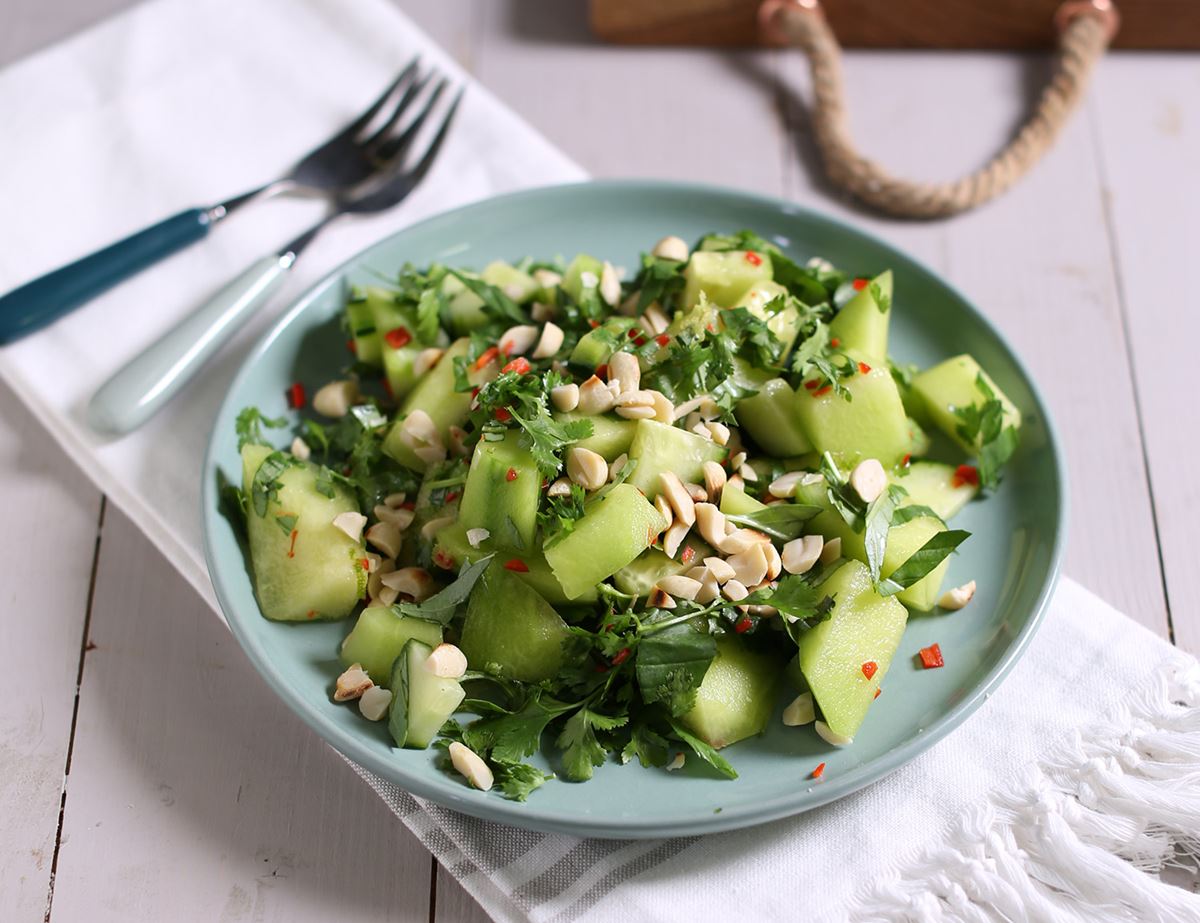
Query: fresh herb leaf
point(982, 425)
point(801, 604)
point(922, 562)
point(704, 751)
point(495, 303)
point(645, 743)
point(512, 737)
point(845, 499)
point(430, 307)
point(658, 280)
point(582, 750)
point(249, 427)
point(671, 665)
point(286, 522)
point(517, 780)
point(441, 606)
point(883, 301)
point(878, 523)
point(547, 437)
point(560, 514)
point(266, 484)
point(781, 521)
point(914, 511)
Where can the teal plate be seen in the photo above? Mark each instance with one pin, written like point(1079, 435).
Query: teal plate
point(1013, 554)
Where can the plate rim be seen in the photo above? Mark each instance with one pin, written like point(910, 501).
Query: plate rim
point(526, 814)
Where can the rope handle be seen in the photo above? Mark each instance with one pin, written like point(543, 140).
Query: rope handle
point(1085, 29)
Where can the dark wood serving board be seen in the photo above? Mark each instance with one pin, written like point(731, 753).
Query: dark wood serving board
point(996, 24)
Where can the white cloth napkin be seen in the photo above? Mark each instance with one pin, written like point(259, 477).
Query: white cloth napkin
point(180, 103)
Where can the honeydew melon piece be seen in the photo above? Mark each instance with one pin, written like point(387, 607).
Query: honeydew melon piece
point(502, 492)
point(421, 701)
point(861, 327)
point(640, 575)
point(510, 630)
point(433, 393)
point(573, 281)
point(870, 425)
point(770, 418)
point(934, 485)
point(611, 435)
point(951, 385)
point(379, 636)
point(737, 696)
point(724, 275)
point(658, 447)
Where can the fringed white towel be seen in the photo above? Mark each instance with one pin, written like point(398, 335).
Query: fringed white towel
point(1063, 800)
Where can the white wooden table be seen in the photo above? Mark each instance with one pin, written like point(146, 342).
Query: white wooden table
point(145, 770)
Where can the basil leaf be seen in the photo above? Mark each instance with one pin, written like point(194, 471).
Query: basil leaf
point(441, 606)
point(781, 521)
point(671, 665)
point(878, 522)
point(922, 562)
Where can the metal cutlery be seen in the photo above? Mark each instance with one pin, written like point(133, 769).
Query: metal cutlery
point(151, 379)
point(349, 157)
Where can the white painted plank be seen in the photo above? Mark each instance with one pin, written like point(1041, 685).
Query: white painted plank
point(1038, 262)
point(193, 787)
point(50, 517)
point(453, 903)
point(1146, 113)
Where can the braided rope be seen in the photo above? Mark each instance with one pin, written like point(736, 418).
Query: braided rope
point(1084, 36)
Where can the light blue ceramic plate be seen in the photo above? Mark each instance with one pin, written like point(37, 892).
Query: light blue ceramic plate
point(1013, 554)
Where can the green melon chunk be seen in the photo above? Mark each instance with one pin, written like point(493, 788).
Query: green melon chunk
point(572, 282)
point(379, 636)
point(737, 696)
point(736, 502)
point(784, 323)
point(861, 326)
point(510, 630)
point(933, 484)
point(919, 442)
point(870, 425)
point(950, 385)
point(304, 566)
point(659, 447)
point(615, 529)
point(724, 276)
point(505, 506)
point(421, 702)
point(639, 576)
point(397, 362)
point(770, 418)
point(864, 627)
point(452, 550)
point(515, 283)
point(611, 435)
point(595, 347)
point(361, 325)
point(434, 393)
point(464, 307)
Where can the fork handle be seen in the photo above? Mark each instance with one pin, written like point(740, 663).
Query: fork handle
point(139, 389)
point(47, 298)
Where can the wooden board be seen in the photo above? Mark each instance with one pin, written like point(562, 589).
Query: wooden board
point(994, 24)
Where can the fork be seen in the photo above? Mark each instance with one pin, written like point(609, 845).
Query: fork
point(349, 157)
point(150, 380)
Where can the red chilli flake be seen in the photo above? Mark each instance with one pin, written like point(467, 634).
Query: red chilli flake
point(517, 565)
point(486, 356)
point(292, 546)
point(860, 284)
point(821, 392)
point(451, 497)
point(864, 369)
point(906, 460)
point(877, 691)
point(811, 384)
point(743, 624)
point(639, 340)
point(931, 657)
point(295, 396)
point(510, 474)
point(631, 333)
point(965, 474)
point(869, 668)
point(753, 258)
point(662, 339)
point(621, 656)
point(443, 560)
point(502, 415)
point(688, 553)
point(366, 565)
point(520, 365)
point(602, 370)
point(835, 342)
point(352, 346)
point(819, 771)
point(593, 324)
point(398, 337)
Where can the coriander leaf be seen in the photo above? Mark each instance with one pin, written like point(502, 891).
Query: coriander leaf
point(878, 522)
point(801, 604)
point(314, 434)
point(249, 426)
point(923, 560)
point(658, 280)
point(518, 780)
point(645, 743)
point(547, 437)
point(429, 311)
point(781, 521)
point(671, 665)
point(514, 736)
point(441, 606)
point(704, 751)
point(558, 518)
point(883, 301)
point(265, 486)
point(982, 425)
point(582, 751)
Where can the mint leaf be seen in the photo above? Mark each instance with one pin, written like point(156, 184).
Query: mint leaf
point(441, 606)
point(922, 562)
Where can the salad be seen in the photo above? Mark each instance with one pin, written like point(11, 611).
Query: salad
point(601, 519)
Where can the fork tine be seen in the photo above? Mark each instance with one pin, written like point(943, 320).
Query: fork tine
point(365, 119)
point(394, 148)
point(406, 99)
point(417, 173)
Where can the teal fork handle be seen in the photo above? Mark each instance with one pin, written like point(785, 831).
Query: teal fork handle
point(44, 300)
